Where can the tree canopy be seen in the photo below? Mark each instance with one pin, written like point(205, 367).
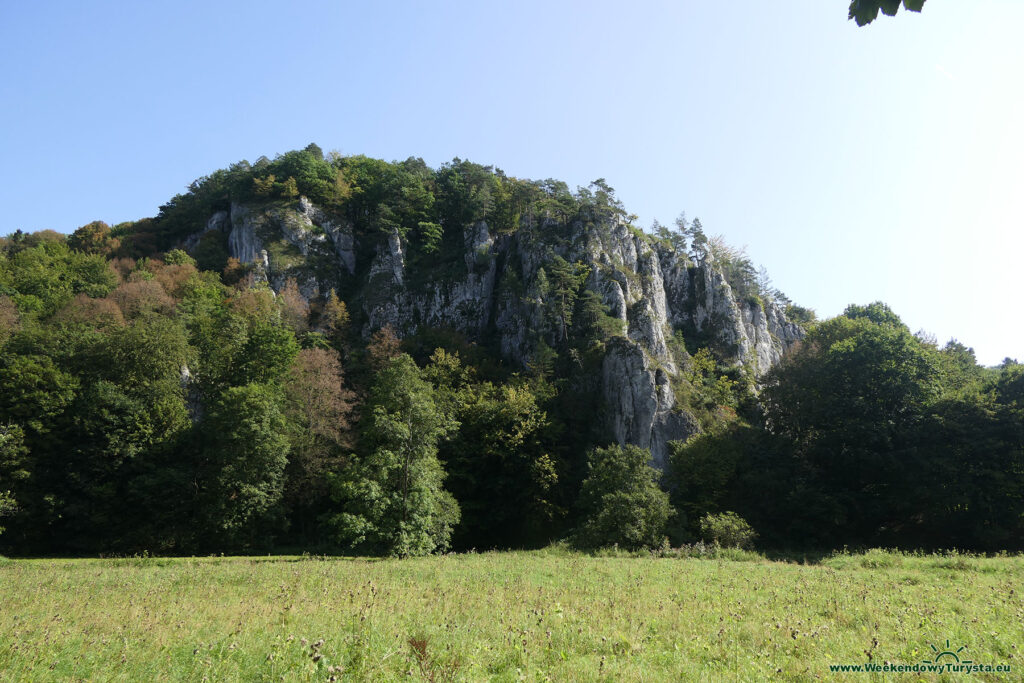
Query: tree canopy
point(157, 395)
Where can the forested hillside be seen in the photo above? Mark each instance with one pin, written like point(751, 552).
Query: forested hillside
point(349, 355)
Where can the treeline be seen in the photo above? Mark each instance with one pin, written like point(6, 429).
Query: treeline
point(428, 207)
point(147, 405)
point(155, 400)
point(166, 402)
point(870, 436)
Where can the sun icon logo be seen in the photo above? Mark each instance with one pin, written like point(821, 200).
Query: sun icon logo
point(947, 654)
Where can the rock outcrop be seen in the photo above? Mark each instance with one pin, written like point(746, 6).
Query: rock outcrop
point(641, 404)
point(496, 290)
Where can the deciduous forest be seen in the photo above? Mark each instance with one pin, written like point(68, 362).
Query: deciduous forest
point(166, 386)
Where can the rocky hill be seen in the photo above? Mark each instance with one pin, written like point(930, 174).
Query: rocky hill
point(365, 356)
point(509, 291)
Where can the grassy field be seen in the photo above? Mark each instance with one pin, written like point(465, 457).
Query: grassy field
point(545, 615)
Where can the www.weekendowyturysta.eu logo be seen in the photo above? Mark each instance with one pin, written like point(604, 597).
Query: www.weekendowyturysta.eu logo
point(947, 659)
point(947, 656)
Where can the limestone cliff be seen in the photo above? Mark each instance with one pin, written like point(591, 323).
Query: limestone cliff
point(493, 289)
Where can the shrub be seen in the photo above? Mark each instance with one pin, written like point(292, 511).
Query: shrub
point(177, 257)
point(727, 529)
point(621, 502)
point(7, 507)
point(877, 558)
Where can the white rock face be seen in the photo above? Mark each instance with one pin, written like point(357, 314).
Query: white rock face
point(339, 233)
point(700, 297)
point(390, 261)
point(243, 242)
point(640, 402)
point(304, 226)
point(494, 293)
point(648, 329)
point(478, 243)
point(463, 303)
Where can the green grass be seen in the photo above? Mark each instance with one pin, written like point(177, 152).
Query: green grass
point(545, 615)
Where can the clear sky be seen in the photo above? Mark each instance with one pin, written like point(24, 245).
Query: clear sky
point(856, 164)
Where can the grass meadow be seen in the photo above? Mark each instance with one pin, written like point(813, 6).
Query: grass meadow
point(508, 616)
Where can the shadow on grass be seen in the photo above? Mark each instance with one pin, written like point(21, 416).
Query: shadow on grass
point(148, 560)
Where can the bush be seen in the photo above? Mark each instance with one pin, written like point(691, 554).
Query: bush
point(7, 507)
point(621, 502)
point(177, 257)
point(727, 529)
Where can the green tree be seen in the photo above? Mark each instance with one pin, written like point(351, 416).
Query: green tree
point(850, 399)
point(148, 352)
point(34, 392)
point(317, 407)
point(702, 473)
point(620, 501)
point(728, 530)
point(466, 193)
point(113, 431)
point(593, 320)
point(565, 280)
point(42, 278)
point(290, 188)
point(178, 257)
point(92, 238)
point(8, 506)
point(387, 197)
point(500, 465)
point(1009, 387)
point(314, 150)
point(36, 398)
point(243, 468)
point(558, 202)
point(393, 495)
point(266, 354)
point(599, 203)
point(961, 374)
point(431, 233)
point(695, 233)
point(852, 374)
point(677, 237)
point(968, 489)
point(264, 187)
point(14, 473)
point(335, 317)
point(877, 312)
point(128, 408)
point(309, 174)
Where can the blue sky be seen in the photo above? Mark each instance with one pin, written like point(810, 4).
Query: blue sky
point(885, 162)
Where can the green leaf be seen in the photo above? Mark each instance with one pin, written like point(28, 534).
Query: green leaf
point(866, 11)
point(889, 7)
point(863, 11)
